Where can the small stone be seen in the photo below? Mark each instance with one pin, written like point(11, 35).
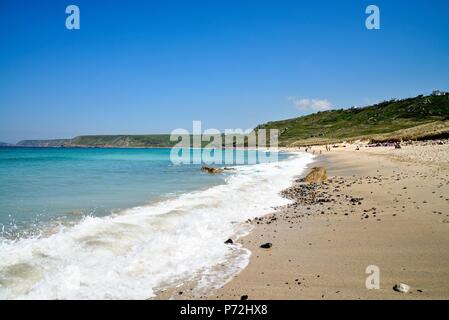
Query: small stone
point(267, 245)
point(229, 241)
point(401, 287)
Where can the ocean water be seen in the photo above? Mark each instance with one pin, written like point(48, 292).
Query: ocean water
point(124, 223)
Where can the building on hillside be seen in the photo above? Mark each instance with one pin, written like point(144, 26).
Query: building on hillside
point(439, 93)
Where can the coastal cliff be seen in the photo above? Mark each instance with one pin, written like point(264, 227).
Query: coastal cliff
point(418, 118)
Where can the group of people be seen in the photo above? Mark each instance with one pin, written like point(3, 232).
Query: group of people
point(309, 149)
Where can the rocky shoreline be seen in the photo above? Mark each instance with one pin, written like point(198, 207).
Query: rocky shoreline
point(371, 207)
point(373, 210)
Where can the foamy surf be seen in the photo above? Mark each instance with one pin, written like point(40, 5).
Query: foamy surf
point(129, 255)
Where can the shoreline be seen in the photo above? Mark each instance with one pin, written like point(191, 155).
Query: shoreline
point(191, 287)
point(379, 207)
point(383, 208)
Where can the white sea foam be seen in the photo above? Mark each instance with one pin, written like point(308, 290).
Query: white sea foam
point(126, 256)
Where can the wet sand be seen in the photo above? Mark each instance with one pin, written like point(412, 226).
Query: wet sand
point(382, 207)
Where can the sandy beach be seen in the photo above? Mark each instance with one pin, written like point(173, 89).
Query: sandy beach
point(380, 206)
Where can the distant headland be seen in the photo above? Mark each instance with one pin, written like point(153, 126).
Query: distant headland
point(418, 118)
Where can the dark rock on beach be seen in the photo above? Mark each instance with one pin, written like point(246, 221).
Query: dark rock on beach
point(211, 170)
point(267, 245)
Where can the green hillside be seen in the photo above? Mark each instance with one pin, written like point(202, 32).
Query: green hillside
point(156, 140)
point(108, 141)
point(121, 141)
point(43, 143)
point(421, 117)
point(383, 121)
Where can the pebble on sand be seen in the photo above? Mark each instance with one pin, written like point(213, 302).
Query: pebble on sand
point(267, 245)
point(401, 287)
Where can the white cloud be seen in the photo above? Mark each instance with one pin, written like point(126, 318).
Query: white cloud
point(311, 104)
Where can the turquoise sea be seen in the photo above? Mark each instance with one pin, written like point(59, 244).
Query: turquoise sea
point(41, 185)
point(122, 223)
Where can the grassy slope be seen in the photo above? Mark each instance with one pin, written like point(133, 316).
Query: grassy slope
point(155, 140)
point(370, 122)
point(119, 141)
point(414, 118)
point(43, 143)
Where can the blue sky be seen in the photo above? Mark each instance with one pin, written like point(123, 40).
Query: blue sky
point(153, 66)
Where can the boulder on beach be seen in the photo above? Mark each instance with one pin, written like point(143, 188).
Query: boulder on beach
point(211, 170)
point(316, 175)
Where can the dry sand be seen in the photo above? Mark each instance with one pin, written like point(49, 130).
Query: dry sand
point(382, 207)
